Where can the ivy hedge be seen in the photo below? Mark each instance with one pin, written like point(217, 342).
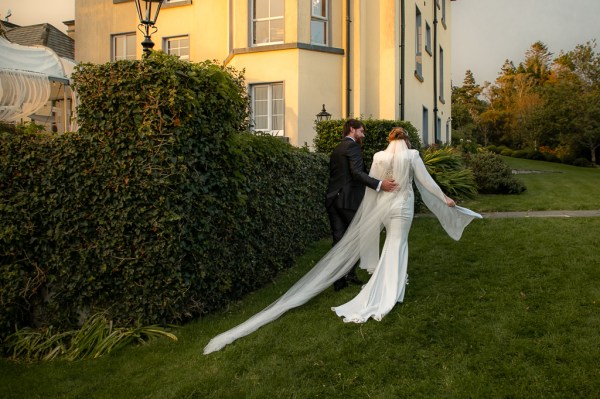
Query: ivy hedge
point(329, 134)
point(158, 209)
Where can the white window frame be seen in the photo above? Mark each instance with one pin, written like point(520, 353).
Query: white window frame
point(270, 105)
point(321, 20)
point(113, 46)
point(167, 49)
point(269, 19)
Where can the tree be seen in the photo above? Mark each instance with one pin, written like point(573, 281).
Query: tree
point(538, 61)
point(466, 108)
point(575, 98)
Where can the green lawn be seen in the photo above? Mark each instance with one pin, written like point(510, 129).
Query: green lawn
point(559, 187)
point(510, 311)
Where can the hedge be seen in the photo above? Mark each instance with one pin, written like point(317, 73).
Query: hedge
point(329, 134)
point(158, 210)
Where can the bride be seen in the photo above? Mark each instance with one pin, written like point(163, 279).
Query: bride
point(394, 211)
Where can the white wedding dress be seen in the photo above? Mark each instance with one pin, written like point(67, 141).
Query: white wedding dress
point(389, 277)
point(378, 209)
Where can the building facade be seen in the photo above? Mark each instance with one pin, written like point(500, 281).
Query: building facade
point(383, 59)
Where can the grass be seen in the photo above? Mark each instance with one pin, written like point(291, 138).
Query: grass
point(559, 187)
point(511, 310)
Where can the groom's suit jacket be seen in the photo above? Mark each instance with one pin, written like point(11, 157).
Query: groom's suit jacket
point(347, 176)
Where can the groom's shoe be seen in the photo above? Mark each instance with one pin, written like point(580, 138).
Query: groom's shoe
point(353, 278)
point(340, 284)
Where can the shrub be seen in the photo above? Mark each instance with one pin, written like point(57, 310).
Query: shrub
point(519, 154)
point(446, 167)
point(493, 175)
point(582, 162)
point(492, 148)
point(158, 209)
point(329, 134)
point(507, 152)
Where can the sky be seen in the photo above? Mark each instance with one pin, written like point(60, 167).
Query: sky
point(487, 32)
point(484, 32)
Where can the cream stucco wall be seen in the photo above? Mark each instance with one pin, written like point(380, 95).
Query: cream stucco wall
point(221, 30)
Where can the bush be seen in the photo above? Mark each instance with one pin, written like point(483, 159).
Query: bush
point(519, 154)
point(507, 152)
point(551, 157)
point(447, 168)
point(158, 209)
point(329, 134)
point(582, 162)
point(493, 175)
point(492, 148)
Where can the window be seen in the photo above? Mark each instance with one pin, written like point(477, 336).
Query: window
point(444, 13)
point(267, 22)
point(438, 131)
point(418, 46)
point(441, 78)
point(123, 47)
point(425, 126)
point(268, 108)
point(179, 46)
point(427, 38)
point(318, 22)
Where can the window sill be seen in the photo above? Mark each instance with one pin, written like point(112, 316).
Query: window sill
point(419, 76)
point(442, 100)
point(289, 46)
point(428, 51)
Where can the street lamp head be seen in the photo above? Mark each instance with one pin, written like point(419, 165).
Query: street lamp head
point(148, 14)
point(323, 115)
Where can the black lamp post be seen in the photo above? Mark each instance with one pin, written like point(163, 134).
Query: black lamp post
point(148, 18)
point(323, 115)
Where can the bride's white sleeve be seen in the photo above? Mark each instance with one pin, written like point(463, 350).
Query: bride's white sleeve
point(453, 219)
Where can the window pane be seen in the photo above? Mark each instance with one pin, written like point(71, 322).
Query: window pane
point(261, 32)
point(277, 8)
point(317, 32)
point(277, 107)
point(277, 30)
point(319, 8)
point(277, 123)
point(278, 91)
point(261, 122)
point(261, 9)
point(130, 46)
point(119, 43)
point(261, 93)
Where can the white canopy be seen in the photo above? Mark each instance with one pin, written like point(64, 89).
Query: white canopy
point(26, 73)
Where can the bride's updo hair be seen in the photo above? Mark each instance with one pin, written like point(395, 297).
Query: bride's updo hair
point(398, 133)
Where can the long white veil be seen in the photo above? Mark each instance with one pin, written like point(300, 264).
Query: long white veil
point(362, 236)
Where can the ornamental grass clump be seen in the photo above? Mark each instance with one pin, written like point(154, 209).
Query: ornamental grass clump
point(96, 337)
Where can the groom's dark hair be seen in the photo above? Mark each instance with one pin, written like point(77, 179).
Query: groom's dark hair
point(352, 123)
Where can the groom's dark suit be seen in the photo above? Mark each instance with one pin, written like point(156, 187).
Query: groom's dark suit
point(347, 181)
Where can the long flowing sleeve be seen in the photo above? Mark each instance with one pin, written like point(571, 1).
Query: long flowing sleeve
point(453, 219)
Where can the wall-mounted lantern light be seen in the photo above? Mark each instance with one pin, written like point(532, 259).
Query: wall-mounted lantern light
point(323, 115)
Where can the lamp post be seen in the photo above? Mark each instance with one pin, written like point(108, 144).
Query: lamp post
point(148, 19)
point(323, 115)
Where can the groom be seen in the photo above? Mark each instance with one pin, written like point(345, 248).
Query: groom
point(346, 188)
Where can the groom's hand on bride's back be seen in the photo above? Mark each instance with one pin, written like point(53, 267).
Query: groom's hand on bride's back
point(389, 185)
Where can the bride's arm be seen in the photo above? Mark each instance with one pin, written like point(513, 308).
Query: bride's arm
point(423, 177)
